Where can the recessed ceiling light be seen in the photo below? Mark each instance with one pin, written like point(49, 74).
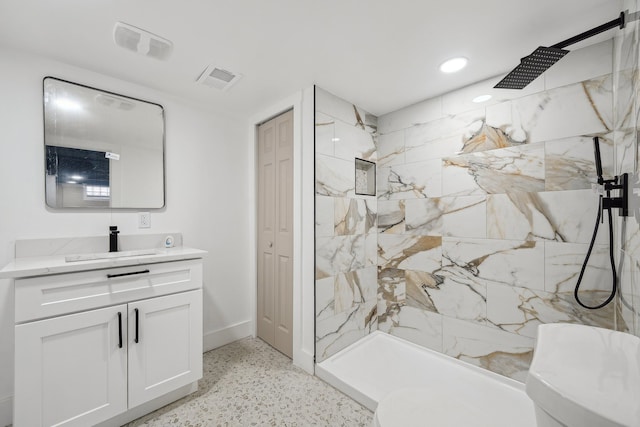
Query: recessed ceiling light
point(335, 139)
point(481, 98)
point(454, 64)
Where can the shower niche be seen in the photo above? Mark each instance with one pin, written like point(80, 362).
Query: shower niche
point(365, 178)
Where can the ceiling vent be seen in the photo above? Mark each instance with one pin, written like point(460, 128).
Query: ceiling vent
point(141, 41)
point(218, 78)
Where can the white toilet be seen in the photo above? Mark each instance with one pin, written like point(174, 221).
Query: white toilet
point(583, 376)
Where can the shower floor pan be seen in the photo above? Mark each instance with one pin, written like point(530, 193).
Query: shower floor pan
point(381, 363)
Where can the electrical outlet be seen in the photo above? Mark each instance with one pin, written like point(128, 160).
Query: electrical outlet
point(144, 220)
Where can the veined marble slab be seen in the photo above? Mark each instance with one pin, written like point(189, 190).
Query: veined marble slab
point(570, 165)
point(339, 331)
point(521, 310)
point(437, 292)
point(563, 262)
point(325, 133)
point(355, 288)
point(325, 216)
point(447, 216)
point(581, 64)
point(410, 181)
point(335, 177)
point(464, 216)
point(488, 138)
point(391, 294)
point(489, 262)
point(371, 249)
point(350, 216)
point(419, 113)
point(578, 109)
point(391, 216)
point(498, 351)
point(391, 149)
point(325, 298)
point(344, 111)
point(409, 252)
point(352, 141)
point(494, 172)
point(460, 126)
point(564, 216)
point(417, 326)
point(339, 254)
point(424, 216)
point(418, 151)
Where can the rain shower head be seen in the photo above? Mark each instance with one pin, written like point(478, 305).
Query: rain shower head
point(544, 57)
point(531, 67)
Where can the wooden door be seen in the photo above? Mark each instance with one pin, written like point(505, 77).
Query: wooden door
point(71, 370)
point(275, 235)
point(165, 345)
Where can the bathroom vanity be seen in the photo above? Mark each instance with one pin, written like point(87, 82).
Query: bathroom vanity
point(102, 339)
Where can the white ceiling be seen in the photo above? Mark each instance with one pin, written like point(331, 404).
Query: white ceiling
point(379, 54)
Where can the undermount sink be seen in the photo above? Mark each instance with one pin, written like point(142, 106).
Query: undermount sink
point(111, 255)
point(585, 376)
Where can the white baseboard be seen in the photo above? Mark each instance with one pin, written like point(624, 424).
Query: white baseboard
point(215, 339)
point(303, 359)
point(6, 411)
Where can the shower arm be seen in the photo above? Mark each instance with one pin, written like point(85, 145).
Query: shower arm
point(618, 22)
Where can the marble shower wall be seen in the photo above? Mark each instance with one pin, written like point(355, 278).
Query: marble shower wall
point(485, 213)
point(626, 54)
point(346, 226)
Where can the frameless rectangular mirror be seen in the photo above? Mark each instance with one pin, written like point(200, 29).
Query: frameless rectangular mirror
point(102, 150)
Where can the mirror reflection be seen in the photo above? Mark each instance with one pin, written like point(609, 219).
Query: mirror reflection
point(102, 150)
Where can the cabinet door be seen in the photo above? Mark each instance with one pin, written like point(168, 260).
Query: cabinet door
point(165, 345)
point(71, 370)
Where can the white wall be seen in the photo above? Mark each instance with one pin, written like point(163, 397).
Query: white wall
point(208, 192)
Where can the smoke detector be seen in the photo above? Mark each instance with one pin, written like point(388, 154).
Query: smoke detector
point(218, 78)
point(141, 41)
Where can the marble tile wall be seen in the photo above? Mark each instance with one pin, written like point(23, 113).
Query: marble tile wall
point(485, 213)
point(346, 226)
point(626, 82)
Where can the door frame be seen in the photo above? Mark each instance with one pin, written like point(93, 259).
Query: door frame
point(302, 104)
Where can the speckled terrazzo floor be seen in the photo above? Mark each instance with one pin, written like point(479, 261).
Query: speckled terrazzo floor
point(248, 383)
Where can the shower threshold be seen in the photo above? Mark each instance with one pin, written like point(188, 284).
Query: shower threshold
point(381, 363)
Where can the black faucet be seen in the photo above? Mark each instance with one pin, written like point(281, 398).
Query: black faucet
point(113, 238)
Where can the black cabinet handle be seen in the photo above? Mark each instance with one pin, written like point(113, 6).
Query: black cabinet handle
point(136, 339)
point(111, 276)
point(119, 330)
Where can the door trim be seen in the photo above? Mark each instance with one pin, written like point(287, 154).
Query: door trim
point(303, 220)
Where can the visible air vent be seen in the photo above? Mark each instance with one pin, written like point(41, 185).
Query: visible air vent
point(141, 41)
point(218, 78)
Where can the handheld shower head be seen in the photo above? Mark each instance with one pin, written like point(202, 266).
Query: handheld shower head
point(598, 159)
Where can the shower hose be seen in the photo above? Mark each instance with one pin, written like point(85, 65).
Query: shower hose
point(611, 257)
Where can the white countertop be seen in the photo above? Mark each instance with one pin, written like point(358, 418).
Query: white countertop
point(55, 264)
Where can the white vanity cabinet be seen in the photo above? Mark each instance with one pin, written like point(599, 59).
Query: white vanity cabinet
point(93, 345)
point(70, 370)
